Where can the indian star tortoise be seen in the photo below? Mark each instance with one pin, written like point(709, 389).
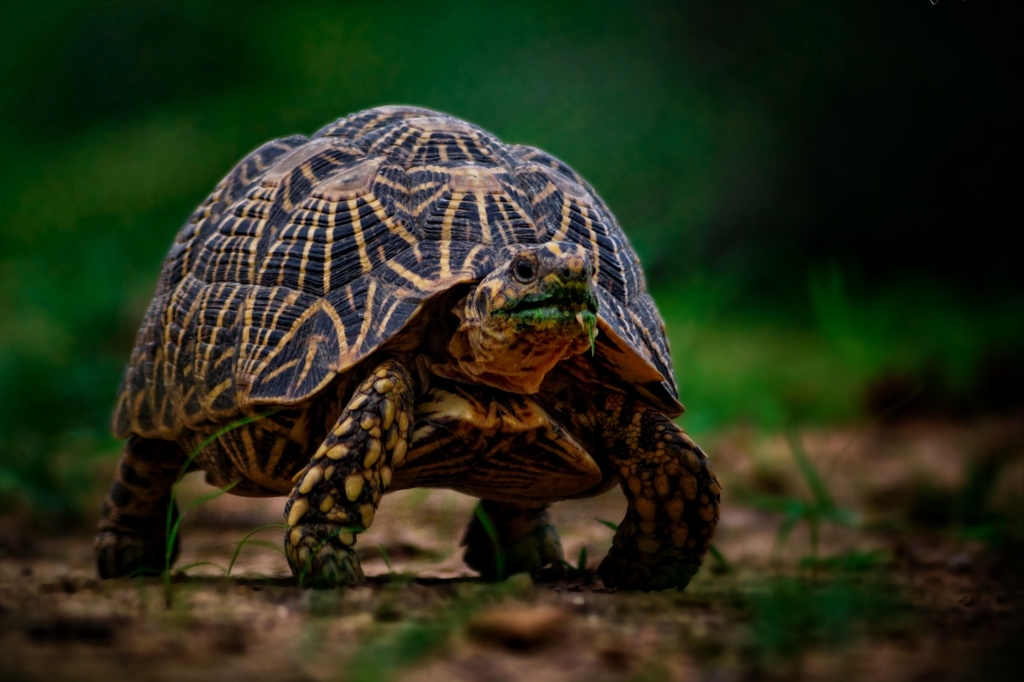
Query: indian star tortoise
point(404, 301)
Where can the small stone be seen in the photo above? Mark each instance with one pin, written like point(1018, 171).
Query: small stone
point(518, 627)
point(960, 563)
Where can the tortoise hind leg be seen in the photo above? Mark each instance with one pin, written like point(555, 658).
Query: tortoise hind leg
point(132, 537)
point(527, 539)
point(337, 493)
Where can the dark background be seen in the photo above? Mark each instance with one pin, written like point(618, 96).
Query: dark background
point(823, 194)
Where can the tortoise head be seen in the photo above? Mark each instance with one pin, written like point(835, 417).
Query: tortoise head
point(535, 309)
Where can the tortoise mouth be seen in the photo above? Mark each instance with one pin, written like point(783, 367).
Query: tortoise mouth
point(566, 300)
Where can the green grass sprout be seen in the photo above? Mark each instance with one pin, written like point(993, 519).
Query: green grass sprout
point(248, 541)
point(492, 532)
point(172, 524)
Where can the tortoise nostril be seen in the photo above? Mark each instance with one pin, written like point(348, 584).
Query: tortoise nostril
point(566, 272)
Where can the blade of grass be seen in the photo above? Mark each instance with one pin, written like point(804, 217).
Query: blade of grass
point(822, 496)
point(384, 555)
point(246, 540)
point(171, 525)
point(609, 524)
point(499, 555)
point(581, 561)
point(717, 555)
point(192, 505)
point(182, 569)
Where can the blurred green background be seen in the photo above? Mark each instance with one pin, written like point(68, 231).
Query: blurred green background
point(820, 192)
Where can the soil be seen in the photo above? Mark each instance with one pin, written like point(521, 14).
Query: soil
point(916, 576)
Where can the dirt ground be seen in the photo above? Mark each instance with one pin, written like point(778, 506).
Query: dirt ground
point(912, 579)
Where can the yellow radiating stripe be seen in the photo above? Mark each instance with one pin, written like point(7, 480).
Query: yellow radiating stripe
point(383, 324)
point(399, 269)
point(328, 252)
point(423, 138)
point(250, 447)
point(462, 144)
point(282, 369)
point(563, 226)
point(394, 144)
point(357, 230)
point(210, 397)
point(424, 185)
point(308, 364)
point(275, 455)
point(247, 319)
point(392, 225)
point(429, 200)
point(592, 235)
point(481, 212)
point(226, 355)
point(302, 263)
point(288, 301)
point(548, 190)
point(467, 262)
point(388, 182)
point(339, 327)
point(371, 124)
point(505, 225)
point(446, 233)
point(371, 291)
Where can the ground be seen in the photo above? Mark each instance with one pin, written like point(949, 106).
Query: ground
point(916, 575)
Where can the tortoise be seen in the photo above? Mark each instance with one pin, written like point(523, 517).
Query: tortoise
point(403, 301)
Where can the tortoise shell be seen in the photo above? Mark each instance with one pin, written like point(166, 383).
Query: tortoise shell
point(313, 252)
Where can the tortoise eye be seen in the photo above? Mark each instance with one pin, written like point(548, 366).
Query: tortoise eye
point(524, 270)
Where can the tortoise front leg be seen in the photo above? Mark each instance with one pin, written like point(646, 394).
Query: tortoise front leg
point(673, 499)
point(337, 493)
point(132, 537)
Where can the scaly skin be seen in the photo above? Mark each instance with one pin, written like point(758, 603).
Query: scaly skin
point(337, 493)
point(132, 531)
point(673, 496)
point(526, 536)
